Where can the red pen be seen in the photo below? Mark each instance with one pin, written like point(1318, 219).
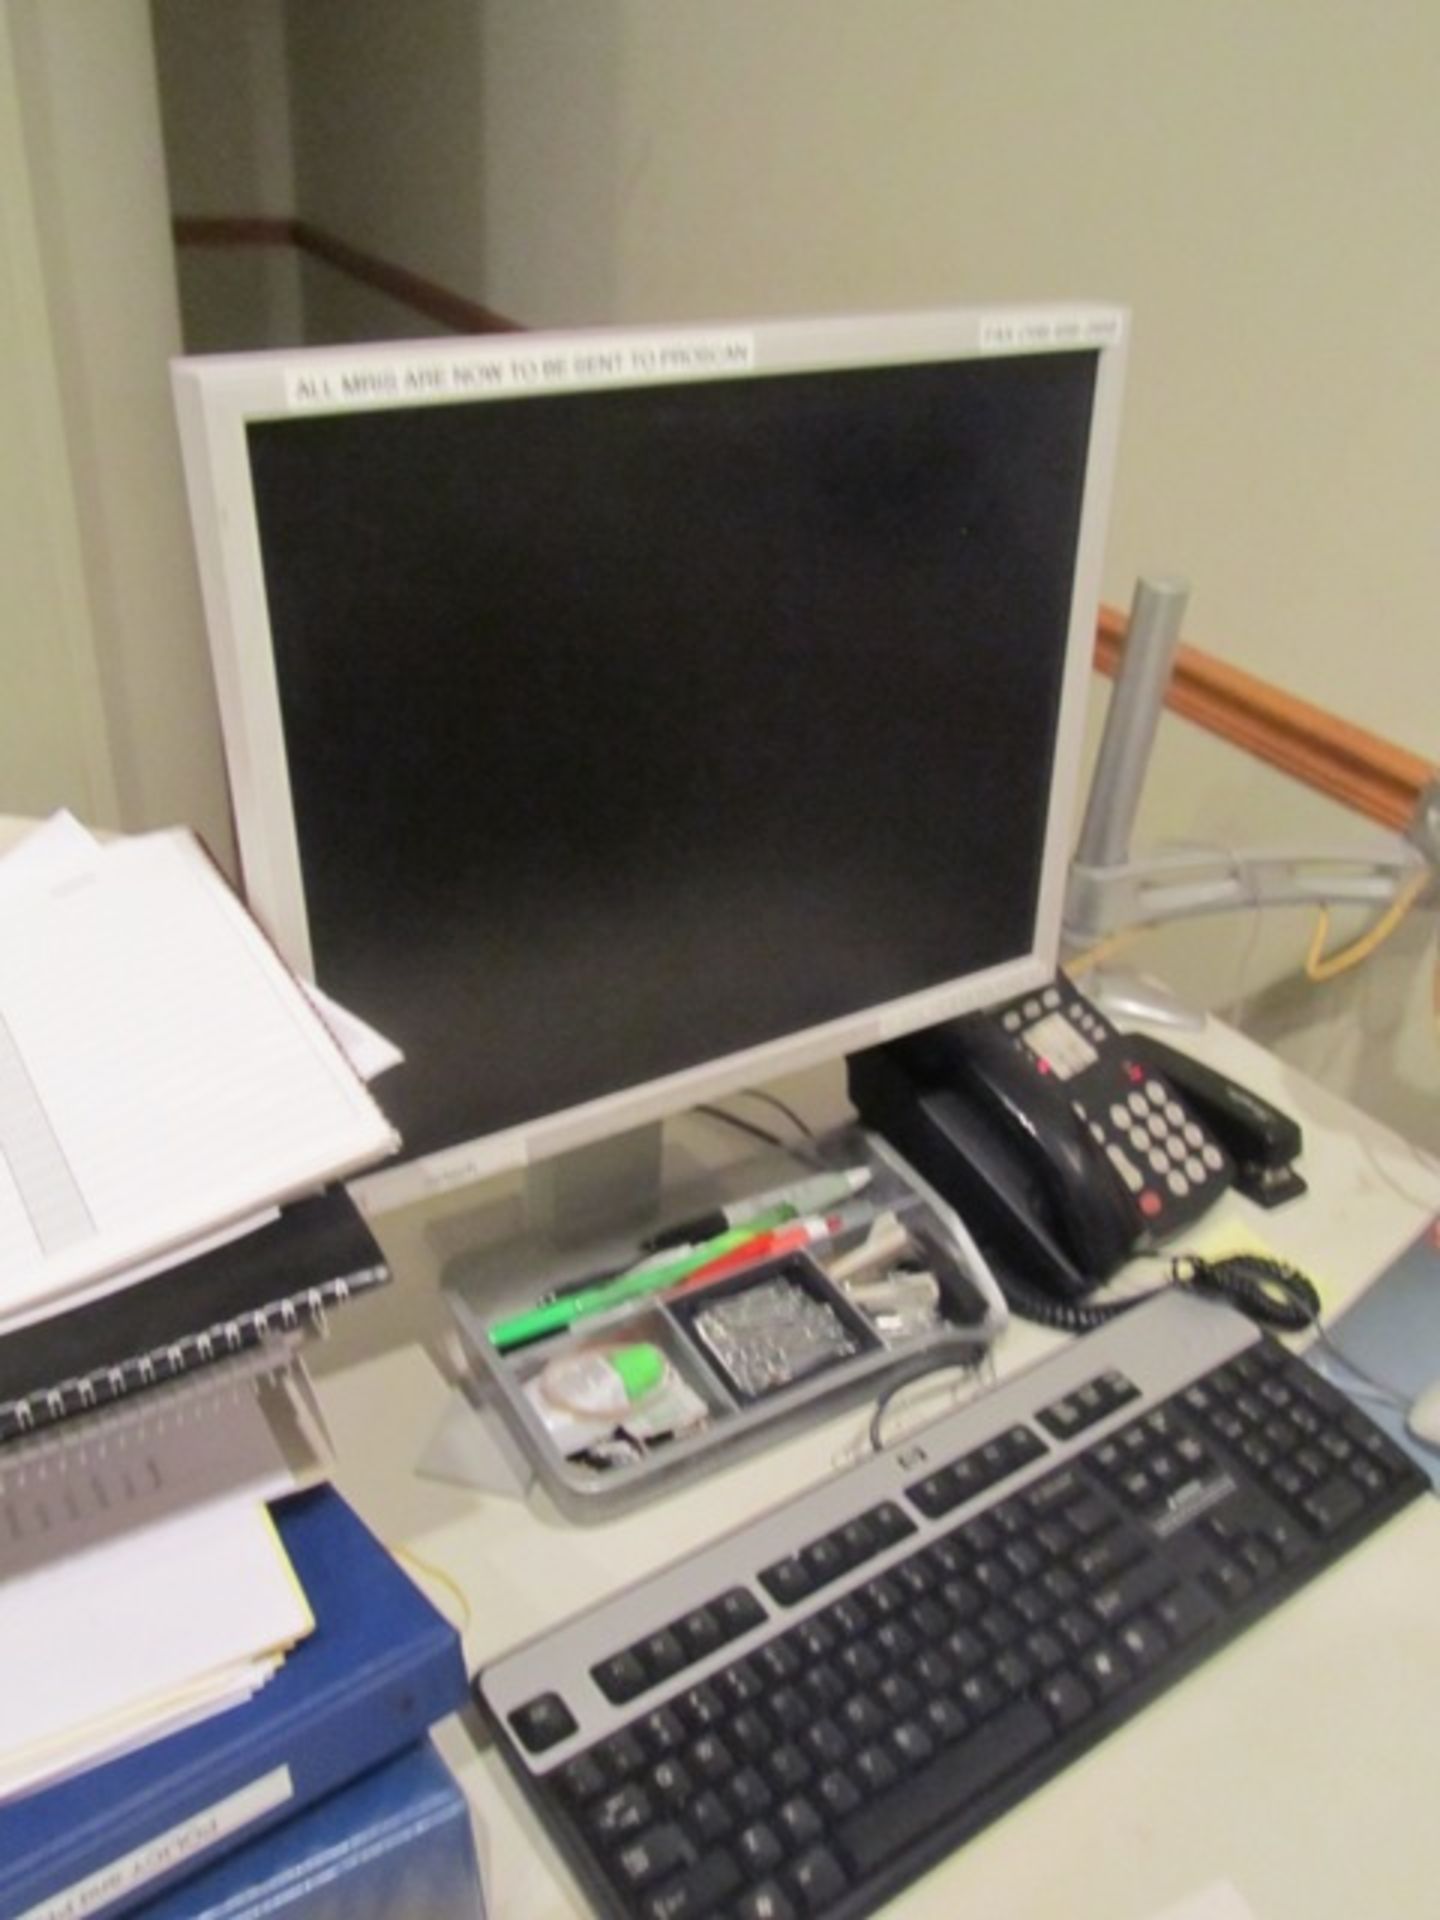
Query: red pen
point(775, 1241)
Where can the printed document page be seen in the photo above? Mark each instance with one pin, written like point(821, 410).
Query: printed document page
point(161, 1071)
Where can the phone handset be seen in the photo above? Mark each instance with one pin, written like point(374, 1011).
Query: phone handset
point(1083, 1193)
point(1063, 1150)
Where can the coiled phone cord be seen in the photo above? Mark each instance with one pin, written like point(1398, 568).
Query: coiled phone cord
point(1268, 1291)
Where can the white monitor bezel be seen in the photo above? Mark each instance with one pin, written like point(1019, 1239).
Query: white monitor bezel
point(218, 396)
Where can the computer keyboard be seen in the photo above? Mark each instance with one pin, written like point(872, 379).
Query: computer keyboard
point(807, 1713)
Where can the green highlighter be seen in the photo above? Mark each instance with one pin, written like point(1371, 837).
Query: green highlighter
point(553, 1315)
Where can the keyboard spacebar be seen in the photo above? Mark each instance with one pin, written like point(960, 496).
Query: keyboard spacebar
point(945, 1786)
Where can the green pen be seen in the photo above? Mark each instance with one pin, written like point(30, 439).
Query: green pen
point(651, 1277)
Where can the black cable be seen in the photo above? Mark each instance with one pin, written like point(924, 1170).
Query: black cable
point(744, 1126)
point(802, 1149)
point(1270, 1292)
point(943, 1357)
point(800, 1124)
point(1065, 1315)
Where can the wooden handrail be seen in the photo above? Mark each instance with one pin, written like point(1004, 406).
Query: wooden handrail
point(1344, 762)
point(411, 290)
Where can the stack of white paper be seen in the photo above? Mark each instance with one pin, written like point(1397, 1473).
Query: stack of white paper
point(163, 1075)
point(142, 1582)
point(165, 1082)
point(141, 1635)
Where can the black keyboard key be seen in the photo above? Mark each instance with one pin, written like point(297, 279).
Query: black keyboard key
point(663, 1731)
point(1331, 1505)
point(739, 1611)
point(621, 1678)
point(653, 1855)
point(621, 1755)
point(837, 1793)
point(543, 1723)
point(788, 1767)
point(740, 1684)
point(710, 1758)
point(702, 1707)
point(944, 1718)
point(701, 1633)
point(671, 1782)
point(1186, 1612)
point(662, 1654)
point(874, 1769)
point(1067, 1700)
point(818, 1880)
point(825, 1560)
point(1143, 1644)
point(707, 1818)
point(765, 1902)
point(788, 1581)
point(799, 1823)
point(583, 1778)
point(758, 1849)
point(940, 1493)
point(890, 1523)
point(750, 1734)
point(789, 1709)
point(859, 1539)
point(621, 1815)
point(1141, 1583)
point(697, 1891)
point(1107, 1670)
point(748, 1794)
point(955, 1777)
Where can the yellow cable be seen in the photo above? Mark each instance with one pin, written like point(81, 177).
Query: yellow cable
point(1102, 950)
point(1319, 969)
point(441, 1578)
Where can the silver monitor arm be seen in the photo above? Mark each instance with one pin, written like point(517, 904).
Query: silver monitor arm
point(1109, 890)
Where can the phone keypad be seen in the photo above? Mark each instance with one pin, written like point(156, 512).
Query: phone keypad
point(1164, 1159)
point(1152, 1143)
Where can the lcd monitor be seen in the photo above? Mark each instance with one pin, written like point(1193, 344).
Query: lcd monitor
point(618, 718)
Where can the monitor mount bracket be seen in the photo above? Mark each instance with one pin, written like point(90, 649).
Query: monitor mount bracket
point(1109, 890)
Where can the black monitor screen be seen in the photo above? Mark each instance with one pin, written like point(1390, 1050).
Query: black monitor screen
point(630, 728)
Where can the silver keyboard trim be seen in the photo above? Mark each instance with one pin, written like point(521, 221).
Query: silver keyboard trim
point(1161, 1345)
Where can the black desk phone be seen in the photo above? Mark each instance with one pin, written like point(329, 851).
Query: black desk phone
point(1063, 1146)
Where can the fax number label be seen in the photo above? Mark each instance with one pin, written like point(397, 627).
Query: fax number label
point(1027, 332)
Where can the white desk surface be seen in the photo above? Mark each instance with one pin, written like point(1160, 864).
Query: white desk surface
point(1296, 1770)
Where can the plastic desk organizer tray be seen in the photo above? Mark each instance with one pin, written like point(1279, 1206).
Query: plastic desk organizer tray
point(622, 1402)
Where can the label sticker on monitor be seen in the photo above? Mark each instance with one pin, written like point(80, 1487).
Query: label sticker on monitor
point(478, 372)
point(1027, 332)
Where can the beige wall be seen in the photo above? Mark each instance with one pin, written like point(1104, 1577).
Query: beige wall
point(225, 97)
point(123, 609)
point(53, 746)
point(388, 134)
point(224, 83)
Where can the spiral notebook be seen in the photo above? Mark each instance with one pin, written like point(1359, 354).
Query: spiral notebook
point(281, 1279)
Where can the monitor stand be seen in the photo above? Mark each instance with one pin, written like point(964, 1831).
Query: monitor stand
point(591, 1192)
